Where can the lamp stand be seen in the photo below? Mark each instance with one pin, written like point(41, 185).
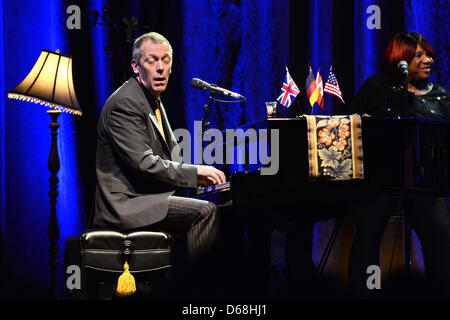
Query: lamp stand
point(53, 227)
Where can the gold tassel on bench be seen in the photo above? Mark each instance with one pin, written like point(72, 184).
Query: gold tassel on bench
point(126, 285)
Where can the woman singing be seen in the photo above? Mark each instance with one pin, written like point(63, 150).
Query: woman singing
point(382, 96)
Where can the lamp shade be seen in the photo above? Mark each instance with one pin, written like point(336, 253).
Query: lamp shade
point(50, 83)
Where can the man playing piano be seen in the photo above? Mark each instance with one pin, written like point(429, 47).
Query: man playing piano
point(137, 170)
point(381, 96)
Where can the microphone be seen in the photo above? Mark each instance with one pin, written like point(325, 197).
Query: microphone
point(403, 66)
point(200, 84)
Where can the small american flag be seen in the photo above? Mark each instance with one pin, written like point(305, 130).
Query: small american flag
point(288, 89)
point(332, 86)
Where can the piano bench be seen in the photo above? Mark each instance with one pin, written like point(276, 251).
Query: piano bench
point(101, 254)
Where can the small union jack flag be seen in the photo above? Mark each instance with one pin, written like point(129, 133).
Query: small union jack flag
point(332, 86)
point(288, 90)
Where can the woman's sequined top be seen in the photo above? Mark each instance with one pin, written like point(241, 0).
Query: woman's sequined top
point(379, 97)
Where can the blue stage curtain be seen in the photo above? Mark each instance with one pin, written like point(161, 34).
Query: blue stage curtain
point(430, 18)
point(103, 67)
point(2, 126)
point(27, 30)
point(368, 49)
point(239, 45)
point(320, 47)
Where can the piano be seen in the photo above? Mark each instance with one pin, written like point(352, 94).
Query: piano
point(388, 146)
point(385, 142)
point(402, 158)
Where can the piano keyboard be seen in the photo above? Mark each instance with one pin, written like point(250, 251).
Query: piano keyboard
point(220, 187)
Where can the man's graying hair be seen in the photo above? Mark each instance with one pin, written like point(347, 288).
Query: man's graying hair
point(156, 38)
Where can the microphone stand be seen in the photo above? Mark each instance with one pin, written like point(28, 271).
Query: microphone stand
point(405, 94)
point(408, 176)
point(205, 124)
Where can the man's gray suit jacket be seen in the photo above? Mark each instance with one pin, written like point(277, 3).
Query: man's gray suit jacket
point(136, 174)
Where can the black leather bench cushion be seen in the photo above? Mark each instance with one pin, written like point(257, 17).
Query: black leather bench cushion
point(102, 250)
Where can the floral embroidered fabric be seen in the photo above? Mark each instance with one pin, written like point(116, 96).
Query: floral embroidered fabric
point(335, 147)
